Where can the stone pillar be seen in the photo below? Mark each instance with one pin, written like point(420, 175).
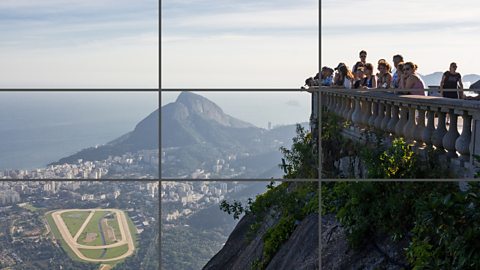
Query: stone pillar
point(357, 112)
point(402, 122)
point(409, 128)
point(371, 119)
point(394, 120)
point(440, 131)
point(418, 133)
point(462, 144)
point(452, 135)
point(387, 118)
point(428, 131)
point(380, 115)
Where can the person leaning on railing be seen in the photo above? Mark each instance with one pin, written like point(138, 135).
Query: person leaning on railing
point(384, 75)
point(326, 76)
point(343, 78)
point(451, 80)
point(370, 80)
point(412, 80)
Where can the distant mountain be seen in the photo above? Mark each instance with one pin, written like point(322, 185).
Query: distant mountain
point(196, 134)
point(193, 119)
point(435, 78)
point(143, 137)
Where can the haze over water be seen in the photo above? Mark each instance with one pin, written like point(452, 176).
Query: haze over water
point(39, 128)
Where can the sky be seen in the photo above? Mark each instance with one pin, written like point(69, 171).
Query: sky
point(239, 43)
point(79, 43)
point(258, 108)
point(430, 33)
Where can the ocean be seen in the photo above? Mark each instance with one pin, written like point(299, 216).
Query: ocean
point(37, 128)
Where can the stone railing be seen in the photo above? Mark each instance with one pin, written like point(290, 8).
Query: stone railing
point(394, 114)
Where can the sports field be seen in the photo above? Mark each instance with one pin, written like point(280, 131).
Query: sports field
point(93, 235)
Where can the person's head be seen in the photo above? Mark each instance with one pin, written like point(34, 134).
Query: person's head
point(326, 72)
point(360, 73)
point(368, 69)
point(400, 67)
point(383, 67)
point(357, 65)
point(453, 67)
point(363, 56)
point(397, 59)
point(409, 68)
point(342, 68)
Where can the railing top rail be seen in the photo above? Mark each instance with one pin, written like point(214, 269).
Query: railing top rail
point(473, 106)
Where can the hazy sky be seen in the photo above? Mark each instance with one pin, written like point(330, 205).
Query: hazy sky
point(431, 33)
point(79, 43)
point(239, 43)
point(258, 108)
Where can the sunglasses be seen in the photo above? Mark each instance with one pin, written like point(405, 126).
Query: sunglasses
point(407, 69)
point(363, 56)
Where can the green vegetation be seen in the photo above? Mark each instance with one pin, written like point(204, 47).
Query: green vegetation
point(301, 161)
point(59, 238)
point(439, 220)
point(92, 227)
point(109, 254)
point(114, 224)
point(29, 207)
point(289, 202)
point(74, 220)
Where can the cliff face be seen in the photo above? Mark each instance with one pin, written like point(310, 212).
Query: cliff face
point(241, 251)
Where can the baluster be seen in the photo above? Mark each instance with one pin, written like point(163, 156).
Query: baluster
point(462, 144)
point(428, 131)
point(380, 115)
point(440, 131)
point(409, 128)
point(387, 118)
point(351, 109)
point(357, 112)
point(452, 135)
point(402, 122)
point(367, 111)
point(420, 129)
point(394, 120)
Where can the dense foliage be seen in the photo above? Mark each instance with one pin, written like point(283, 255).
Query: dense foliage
point(301, 161)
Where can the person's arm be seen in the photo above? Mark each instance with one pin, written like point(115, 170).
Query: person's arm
point(374, 81)
point(410, 82)
point(441, 84)
point(460, 84)
point(389, 80)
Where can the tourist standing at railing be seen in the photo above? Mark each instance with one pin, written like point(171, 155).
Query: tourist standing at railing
point(451, 80)
point(384, 75)
point(370, 80)
point(397, 59)
point(359, 77)
point(398, 79)
point(326, 77)
point(412, 80)
point(362, 62)
point(343, 78)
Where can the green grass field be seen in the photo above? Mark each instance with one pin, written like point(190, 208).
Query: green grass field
point(111, 252)
point(59, 238)
point(74, 220)
point(92, 227)
point(114, 223)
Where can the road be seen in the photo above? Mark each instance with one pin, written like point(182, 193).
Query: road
point(75, 246)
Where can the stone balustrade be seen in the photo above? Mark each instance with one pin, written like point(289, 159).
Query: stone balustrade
point(421, 120)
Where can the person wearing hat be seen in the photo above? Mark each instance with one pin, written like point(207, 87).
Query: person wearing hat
point(344, 77)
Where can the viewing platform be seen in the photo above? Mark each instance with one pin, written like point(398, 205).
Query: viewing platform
point(449, 126)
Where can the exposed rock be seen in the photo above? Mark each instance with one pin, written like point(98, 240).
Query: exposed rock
point(380, 253)
point(300, 251)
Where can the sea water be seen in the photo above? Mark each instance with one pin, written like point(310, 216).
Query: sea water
point(40, 128)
